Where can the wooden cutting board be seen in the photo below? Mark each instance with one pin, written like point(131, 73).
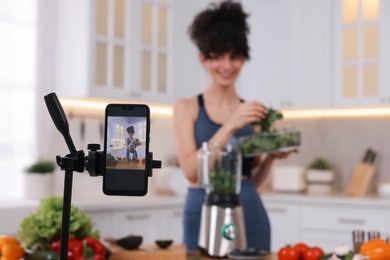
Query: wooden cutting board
point(149, 252)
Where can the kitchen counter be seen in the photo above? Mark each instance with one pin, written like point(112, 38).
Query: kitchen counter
point(335, 197)
point(117, 202)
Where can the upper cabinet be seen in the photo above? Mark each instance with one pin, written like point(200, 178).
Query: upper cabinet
point(130, 48)
point(124, 49)
point(313, 54)
point(362, 52)
point(290, 65)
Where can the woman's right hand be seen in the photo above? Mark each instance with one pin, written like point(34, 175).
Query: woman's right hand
point(246, 113)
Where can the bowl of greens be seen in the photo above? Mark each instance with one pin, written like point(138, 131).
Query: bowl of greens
point(269, 139)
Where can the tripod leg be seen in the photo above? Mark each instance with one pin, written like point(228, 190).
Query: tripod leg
point(66, 206)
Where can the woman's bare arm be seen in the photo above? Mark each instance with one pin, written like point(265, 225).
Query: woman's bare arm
point(185, 113)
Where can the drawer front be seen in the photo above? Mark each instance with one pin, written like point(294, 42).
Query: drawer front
point(134, 223)
point(345, 219)
point(284, 224)
point(327, 241)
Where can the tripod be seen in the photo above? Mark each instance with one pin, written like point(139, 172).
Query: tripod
point(94, 163)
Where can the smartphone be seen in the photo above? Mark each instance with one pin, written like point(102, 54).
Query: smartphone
point(126, 144)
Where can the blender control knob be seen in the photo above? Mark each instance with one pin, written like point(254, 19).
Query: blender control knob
point(229, 231)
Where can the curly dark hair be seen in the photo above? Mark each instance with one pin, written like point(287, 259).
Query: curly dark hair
point(221, 28)
point(130, 130)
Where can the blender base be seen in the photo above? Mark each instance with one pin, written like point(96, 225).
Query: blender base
point(222, 230)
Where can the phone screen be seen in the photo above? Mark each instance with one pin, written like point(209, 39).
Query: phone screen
point(126, 145)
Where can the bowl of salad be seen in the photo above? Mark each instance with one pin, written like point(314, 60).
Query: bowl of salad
point(269, 139)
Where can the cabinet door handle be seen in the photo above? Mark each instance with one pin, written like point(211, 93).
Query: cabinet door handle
point(137, 217)
point(277, 210)
point(351, 221)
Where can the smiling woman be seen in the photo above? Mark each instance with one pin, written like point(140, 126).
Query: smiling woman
point(17, 96)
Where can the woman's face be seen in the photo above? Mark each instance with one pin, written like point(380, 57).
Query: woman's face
point(224, 69)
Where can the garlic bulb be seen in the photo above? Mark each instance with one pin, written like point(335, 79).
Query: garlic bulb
point(342, 250)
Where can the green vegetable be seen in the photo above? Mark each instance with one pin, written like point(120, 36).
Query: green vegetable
point(39, 228)
point(222, 182)
point(41, 166)
point(42, 255)
point(268, 142)
point(267, 123)
point(110, 157)
point(320, 164)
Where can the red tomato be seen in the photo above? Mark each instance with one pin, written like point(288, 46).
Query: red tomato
point(313, 253)
point(301, 247)
point(288, 253)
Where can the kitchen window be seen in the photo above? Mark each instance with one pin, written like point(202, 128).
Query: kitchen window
point(17, 92)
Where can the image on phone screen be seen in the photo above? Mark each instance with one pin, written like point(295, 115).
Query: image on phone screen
point(126, 143)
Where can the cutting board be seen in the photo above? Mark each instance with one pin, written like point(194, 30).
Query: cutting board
point(149, 252)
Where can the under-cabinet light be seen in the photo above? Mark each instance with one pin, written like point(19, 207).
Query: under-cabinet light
point(337, 113)
point(96, 107)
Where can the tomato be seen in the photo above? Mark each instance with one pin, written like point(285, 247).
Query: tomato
point(288, 253)
point(301, 247)
point(313, 253)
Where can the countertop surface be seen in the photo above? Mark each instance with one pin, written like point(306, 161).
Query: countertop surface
point(332, 198)
point(165, 201)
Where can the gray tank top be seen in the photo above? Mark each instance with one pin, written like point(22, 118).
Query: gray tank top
point(205, 128)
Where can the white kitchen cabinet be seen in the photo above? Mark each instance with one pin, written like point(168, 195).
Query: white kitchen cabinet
point(362, 53)
point(137, 50)
point(102, 221)
point(114, 49)
point(284, 220)
point(11, 218)
point(135, 222)
point(290, 44)
point(150, 223)
point(324, 221)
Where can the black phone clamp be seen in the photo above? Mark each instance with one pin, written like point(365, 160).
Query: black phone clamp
point(94, 163)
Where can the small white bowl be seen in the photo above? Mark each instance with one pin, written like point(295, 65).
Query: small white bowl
point(384, 189)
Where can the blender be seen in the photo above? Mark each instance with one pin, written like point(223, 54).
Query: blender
point(222, 227)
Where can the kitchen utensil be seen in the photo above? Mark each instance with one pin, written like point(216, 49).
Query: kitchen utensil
point(373, 234)
point(247, 254)
point(362, 175)
point(222, 226)
point(357, 239)
point(129, 242)
point(163, 243)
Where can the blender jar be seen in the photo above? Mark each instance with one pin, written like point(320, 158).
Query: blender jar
point(219, 169)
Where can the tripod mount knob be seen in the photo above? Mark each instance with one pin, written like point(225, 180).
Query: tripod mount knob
point(93, 147)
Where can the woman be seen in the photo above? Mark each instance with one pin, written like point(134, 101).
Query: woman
point(219, 116)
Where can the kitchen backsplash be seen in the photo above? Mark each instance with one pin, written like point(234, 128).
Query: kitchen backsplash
point(341, 141)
